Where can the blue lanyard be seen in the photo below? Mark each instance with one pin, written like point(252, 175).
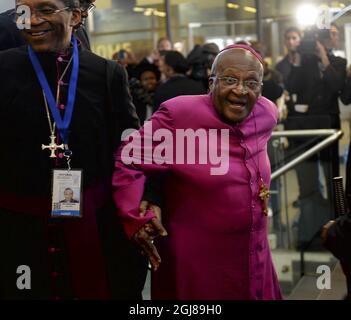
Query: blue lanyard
point(61, 124)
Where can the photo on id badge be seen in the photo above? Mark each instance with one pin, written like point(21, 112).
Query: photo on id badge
point(66, 194)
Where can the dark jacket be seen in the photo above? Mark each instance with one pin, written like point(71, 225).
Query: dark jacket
point(273, 87)
point(284, 68)
point(179, 85)
point(318, 88)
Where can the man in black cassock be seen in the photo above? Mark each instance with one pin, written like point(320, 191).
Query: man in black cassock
point(10, 36)
point(86, 258)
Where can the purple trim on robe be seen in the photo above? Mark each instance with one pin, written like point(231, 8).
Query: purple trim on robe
point(217, 247)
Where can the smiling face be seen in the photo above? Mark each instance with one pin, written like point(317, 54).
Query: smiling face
point(234, 100)
point(148, 81)
point(52, 31)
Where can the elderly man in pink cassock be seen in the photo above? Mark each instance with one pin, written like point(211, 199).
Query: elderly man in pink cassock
point(216, 244)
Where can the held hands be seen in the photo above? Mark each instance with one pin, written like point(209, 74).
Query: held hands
point(147, 233)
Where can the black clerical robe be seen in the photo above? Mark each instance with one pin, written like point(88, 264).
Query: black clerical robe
point(84, 258)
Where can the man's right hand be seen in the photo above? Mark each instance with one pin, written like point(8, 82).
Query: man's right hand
point(145, 236)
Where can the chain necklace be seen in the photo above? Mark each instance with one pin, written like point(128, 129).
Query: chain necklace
point(264, 193)
point(53, 146)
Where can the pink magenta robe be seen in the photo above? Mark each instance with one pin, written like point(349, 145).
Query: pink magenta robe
point(217, 247)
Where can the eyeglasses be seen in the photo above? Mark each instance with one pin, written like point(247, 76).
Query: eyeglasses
point(41, 14)
point(234, 82)
point(88, 7)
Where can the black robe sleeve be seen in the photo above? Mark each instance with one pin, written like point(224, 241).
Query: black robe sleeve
point(122, 109)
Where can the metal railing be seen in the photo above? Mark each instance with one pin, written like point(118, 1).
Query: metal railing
point(332, 136)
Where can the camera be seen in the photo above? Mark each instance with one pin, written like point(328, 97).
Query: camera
point(308, 44)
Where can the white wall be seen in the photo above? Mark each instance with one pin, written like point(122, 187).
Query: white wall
point(6, 4)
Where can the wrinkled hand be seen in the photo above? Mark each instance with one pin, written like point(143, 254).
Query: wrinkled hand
point(145, 236)
point(325, 229)
point(145, 205)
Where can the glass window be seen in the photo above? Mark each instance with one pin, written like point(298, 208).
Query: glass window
point(126, 24)
point(136, 25)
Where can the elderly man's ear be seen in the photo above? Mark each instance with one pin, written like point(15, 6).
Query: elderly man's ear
point(211, 83)
point(76, 18)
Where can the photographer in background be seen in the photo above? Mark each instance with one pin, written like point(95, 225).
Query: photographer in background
point(292, 40)
point(315, 82)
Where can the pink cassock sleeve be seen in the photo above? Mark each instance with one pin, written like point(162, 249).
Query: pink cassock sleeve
point(145, 152)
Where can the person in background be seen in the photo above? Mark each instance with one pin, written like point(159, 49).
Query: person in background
point(127, 60)
point(163, 45)
point(174, 67)
point(200, 60)
point(315, 82)
point(272, 87)
point(292, 40)
point(143, 90)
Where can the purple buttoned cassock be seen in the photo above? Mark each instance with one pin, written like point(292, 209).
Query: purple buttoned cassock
point(217, 247)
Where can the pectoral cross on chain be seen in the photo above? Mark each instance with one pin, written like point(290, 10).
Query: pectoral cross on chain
point(52, 146)
point(264, 196)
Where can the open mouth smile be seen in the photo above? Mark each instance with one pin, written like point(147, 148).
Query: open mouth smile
point(38, 34)
point(237, 105)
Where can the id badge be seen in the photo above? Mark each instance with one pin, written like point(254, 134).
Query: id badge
point(66, 194)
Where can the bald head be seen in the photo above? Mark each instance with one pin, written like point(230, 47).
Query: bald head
point(237, 57)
